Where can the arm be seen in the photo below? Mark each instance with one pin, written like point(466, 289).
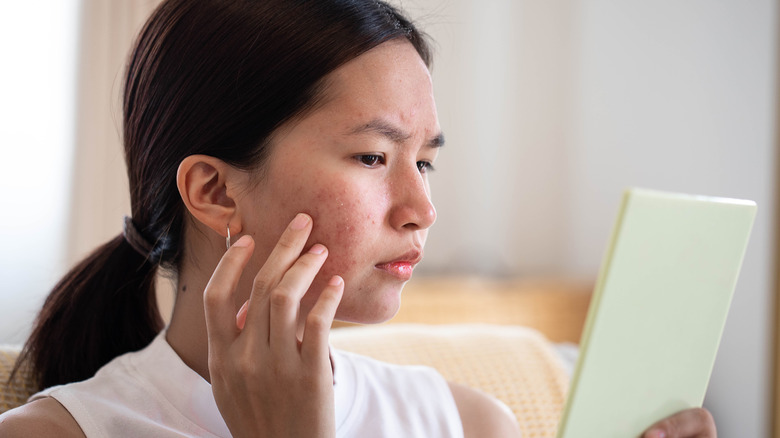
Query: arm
point(483, 415)
point(42, 418)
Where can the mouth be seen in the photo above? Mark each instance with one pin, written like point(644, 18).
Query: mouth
point(403, 266)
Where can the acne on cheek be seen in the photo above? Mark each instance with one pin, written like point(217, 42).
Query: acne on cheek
point(347, 218)
point(336, 228)
point(348, 221)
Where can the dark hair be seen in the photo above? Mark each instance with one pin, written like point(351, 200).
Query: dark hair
point(213, 77)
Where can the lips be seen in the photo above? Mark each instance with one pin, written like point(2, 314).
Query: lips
point(403, 266)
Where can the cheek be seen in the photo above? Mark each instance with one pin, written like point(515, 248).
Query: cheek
point(347, 223)
point(350, 217)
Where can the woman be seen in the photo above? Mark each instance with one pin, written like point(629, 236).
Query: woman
point(308, 129)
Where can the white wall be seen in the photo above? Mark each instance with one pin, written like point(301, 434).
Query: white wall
point(38, 43)
point(60, 137)
point(551, 108)
point(502, 76)
point(680, 96)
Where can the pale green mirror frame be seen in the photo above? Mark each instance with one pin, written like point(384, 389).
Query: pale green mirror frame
point(658, 312)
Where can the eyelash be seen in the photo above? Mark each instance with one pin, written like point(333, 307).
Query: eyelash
point(373, 160)
point(425, 166)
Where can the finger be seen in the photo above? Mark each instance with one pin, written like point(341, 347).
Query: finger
point(285, 299)
point(218, 296)
point(319, 320)
point(284, 254)
point(690, 423)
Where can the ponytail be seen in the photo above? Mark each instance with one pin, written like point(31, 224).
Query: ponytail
point(102, 308)
point(211, 77)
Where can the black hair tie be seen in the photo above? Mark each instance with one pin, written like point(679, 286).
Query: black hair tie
point(135, 238)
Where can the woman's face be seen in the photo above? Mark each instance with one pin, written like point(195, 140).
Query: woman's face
point(358, 164)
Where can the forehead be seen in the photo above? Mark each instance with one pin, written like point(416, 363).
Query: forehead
point(390, 81)
point(395, 60)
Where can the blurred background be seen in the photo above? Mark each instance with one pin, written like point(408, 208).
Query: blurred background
point(550, 108)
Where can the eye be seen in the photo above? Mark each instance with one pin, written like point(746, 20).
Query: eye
point(370, 160)
point(425, 166)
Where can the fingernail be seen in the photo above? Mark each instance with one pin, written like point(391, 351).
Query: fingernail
point(317, 249)
point(241, 316)
point(655, 433)
point(300, 221)
point(335, 281)
point(243, 241)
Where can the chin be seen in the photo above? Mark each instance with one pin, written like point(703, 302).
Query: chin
point(380, 307)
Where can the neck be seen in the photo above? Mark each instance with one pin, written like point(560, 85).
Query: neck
point(187, 331)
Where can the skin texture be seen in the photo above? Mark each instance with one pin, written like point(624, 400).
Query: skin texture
point(344, 192)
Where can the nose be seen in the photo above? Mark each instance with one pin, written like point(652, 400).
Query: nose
point(412, 207)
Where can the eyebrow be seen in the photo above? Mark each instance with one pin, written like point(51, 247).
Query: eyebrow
point(393, 133)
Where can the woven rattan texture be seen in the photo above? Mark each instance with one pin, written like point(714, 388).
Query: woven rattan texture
point(515, 364)
point(13, 393)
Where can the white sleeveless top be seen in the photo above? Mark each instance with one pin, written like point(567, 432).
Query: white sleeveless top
point(153, 393)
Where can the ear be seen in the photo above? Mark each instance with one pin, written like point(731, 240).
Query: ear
point(204, 184)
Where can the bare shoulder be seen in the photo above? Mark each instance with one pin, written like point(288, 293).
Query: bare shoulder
point(44, 418)
point(482, 415)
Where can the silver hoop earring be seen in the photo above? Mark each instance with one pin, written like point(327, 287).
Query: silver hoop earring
point(227, 239)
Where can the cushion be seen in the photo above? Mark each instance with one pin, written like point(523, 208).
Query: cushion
point(15, 392)
point(515, 364)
